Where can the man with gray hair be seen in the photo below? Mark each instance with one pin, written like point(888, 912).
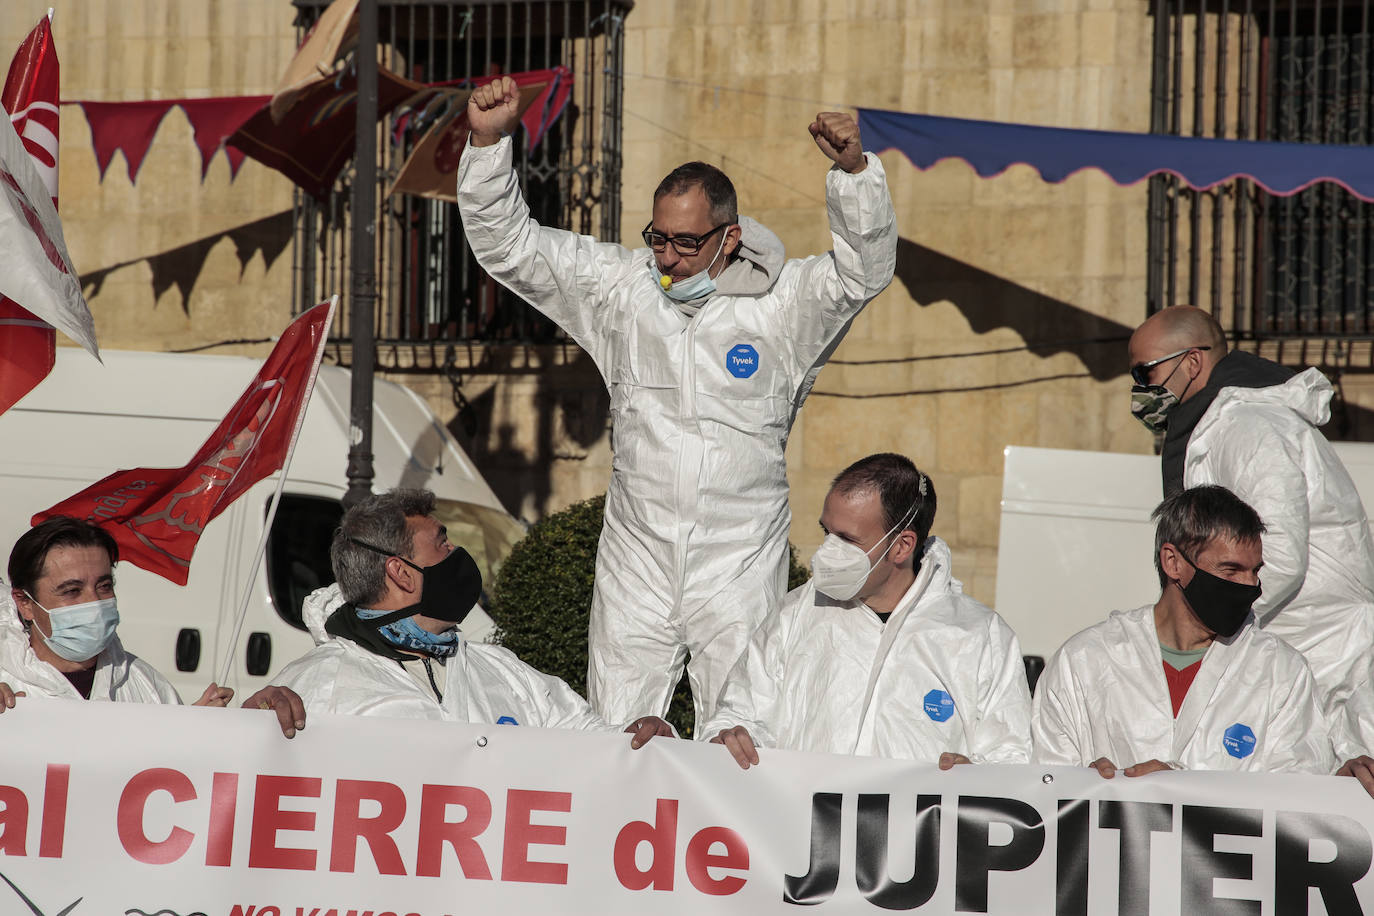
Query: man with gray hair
point(1189, 682)
point(403, 590)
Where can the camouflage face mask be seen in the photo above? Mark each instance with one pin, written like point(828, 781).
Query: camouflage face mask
point(1152, 404)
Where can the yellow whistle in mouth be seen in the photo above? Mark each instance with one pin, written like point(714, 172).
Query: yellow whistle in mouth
point(665, 282)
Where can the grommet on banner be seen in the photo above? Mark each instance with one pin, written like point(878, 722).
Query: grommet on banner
point(482, 741)
point(1047, 778)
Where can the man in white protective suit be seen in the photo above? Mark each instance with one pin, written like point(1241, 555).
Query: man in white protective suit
point(709, 342)
point(396, 650)
point(1189, 682)
point(58, 625)
point(1250, 425)
point(880, 653)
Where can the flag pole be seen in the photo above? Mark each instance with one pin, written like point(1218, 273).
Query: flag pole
point(276, 498)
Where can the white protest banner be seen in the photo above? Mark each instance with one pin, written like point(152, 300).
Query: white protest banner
point(121, 809)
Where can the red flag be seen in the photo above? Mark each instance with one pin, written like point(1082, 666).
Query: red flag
point(157, 515)
point(30, 95)
point(442, 114)
point(314, 139)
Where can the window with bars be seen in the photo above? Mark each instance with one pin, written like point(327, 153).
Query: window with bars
point(1283, 70)
point(430, 288)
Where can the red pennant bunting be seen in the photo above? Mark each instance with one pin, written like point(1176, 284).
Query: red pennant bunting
point(126, 126)
point(214, 120)
point(235, 157)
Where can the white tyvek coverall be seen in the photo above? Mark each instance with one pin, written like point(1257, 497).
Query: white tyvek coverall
point(484, 684)
point(827, 675)
point(1103, 694)
point(693, 551)
point(1318, 577)
point(120, 676)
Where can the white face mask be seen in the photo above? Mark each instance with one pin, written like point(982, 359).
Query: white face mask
point(696, 286)
point(839, 569)
point(81, 631)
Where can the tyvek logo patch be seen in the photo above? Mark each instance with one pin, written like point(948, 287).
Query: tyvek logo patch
point(742, 360)
point(939, 705)
point(1239, 741)
point(507, 720)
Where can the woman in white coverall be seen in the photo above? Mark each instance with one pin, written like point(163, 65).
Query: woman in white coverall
point(390, 643)
point(1190, 682)
point(880, 653)
point(709, 342)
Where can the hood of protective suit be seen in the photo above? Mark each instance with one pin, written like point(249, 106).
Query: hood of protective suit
point(9, 614)
point(752, 270)
point(1236, 371)
point(1307, 394)
point(317, 607)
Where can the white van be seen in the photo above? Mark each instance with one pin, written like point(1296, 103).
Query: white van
point(1076, 540)
point(154, 410)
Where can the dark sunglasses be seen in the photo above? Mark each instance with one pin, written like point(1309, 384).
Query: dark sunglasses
point(682, 244)
point(1140, 373)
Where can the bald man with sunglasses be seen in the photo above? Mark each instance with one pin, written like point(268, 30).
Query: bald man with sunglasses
point(1242, 422)
point(709, 340)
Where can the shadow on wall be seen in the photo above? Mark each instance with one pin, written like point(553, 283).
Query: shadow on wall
point(571, 411)
point(181, 266)
point(1349, 422)
point(987, 301)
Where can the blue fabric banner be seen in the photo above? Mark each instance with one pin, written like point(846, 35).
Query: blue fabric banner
point(1056, 153)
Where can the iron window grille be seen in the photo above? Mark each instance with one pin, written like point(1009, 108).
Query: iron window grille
point(430, 289)
point(1288, 70)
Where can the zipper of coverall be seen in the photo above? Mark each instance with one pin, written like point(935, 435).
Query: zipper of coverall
point(689, 456)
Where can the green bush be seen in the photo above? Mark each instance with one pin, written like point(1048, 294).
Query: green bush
point(543, 595)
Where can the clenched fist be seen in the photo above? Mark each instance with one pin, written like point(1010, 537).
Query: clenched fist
point(493, 110)
point(837, 135)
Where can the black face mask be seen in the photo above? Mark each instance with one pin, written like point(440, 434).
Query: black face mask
point(452, 586)
point(1220, 604)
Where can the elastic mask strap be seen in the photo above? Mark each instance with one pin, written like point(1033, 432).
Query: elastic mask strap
point(390, 617)
point(386, 553)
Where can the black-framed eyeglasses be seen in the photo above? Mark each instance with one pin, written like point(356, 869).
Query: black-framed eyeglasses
point(1140, 373)
point(682, 244)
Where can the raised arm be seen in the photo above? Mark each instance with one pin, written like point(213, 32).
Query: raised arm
point(565, 276)
point(830, 289)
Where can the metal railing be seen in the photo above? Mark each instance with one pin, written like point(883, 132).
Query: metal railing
point(430, 289)
point(1287, 70)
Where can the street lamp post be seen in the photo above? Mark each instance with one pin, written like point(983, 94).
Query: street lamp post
point(363, 287)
